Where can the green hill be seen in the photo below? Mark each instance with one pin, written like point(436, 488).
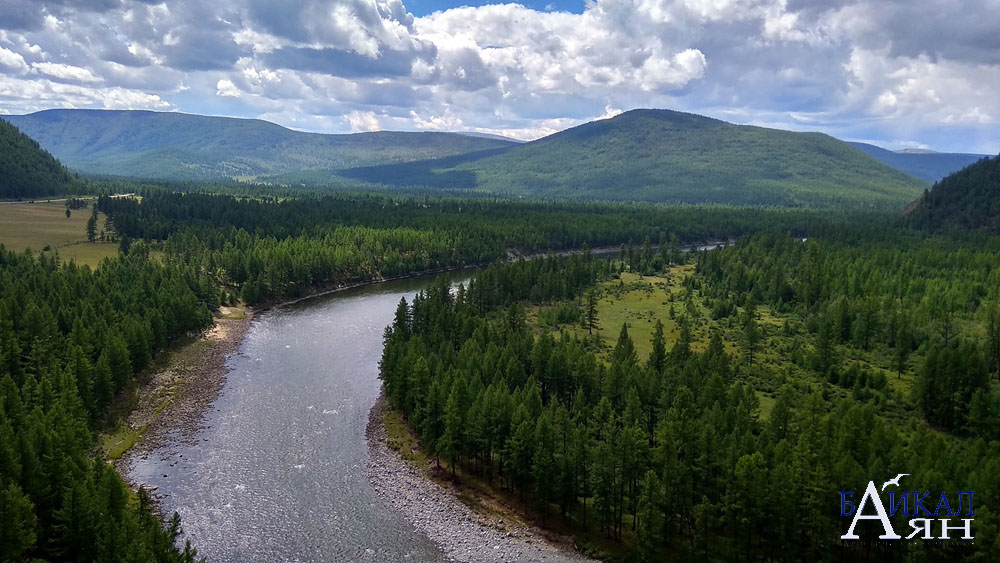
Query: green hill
point(929, 166)
point(967, 199)
point(668, 156)
point(26, 170)
point(641, 155)
point(180, 146)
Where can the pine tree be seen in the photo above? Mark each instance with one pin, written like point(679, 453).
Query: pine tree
point(658, 355)
point(591, 316)
point(17, 524)
point(104, 387)
point(751, 330)
point(649, 536)
point(624, 351)
point(520, 449)
point(904, 345)
point(825, 355)
point(451, 441)
point(992, 325)
point(543, 465)
point(92, 225)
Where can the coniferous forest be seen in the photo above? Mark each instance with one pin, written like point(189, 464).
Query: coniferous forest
point(28, 171)
point(671, 452)
point(813, 350)
point(688, 449)
point(70, 339)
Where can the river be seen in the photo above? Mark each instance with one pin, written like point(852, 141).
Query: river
point(278, 471)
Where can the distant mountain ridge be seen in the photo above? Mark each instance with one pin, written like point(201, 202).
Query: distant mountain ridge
point(672, 157)
point(640, 155)
point(180, 146)
point(929, 166)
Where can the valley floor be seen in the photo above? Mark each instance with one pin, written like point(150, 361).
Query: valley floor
point(44, 226)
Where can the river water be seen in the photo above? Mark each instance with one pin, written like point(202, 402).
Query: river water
point(278, 473)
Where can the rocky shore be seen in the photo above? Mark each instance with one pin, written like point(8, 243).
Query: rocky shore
point(174, 398)
point(437, 513)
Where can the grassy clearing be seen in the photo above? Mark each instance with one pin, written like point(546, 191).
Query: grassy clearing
point(115, 444)
point(401, 439)
point(782, 356)
point(232, 313)
point(40, 225)
point(640, 301)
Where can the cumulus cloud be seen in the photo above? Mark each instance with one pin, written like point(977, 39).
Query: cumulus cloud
point(12, 62)
point(446, 122)
point(362, 121)
point(908, 73)
point(226, 89)
point(65, 72)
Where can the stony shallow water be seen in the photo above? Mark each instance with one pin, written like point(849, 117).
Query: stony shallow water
point(279, 471)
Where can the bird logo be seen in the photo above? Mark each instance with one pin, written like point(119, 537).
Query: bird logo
point(894, 481)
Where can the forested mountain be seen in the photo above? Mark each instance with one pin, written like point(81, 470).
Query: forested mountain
point(668, 156)
point(181, 146)
point(967, 199)
point(929, 166)
point(642, 155)
point(26, 170)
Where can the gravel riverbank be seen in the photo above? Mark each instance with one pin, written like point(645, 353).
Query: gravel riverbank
point(172, 401)
point(434, 511)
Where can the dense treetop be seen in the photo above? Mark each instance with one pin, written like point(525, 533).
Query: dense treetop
point(968, 199)
point(672, 456)
point(27, 170)
point(262, 249)
point(70, 339)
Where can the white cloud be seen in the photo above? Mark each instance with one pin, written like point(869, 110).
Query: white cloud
point(12, 61)
point(226, 88)
point(65, 72)
point(39, 93)
point(362, 121)
point(920, 89)
point(610, 112)
point(658, 73)
point(445, 122)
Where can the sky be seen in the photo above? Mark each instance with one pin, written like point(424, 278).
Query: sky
point(897, 73)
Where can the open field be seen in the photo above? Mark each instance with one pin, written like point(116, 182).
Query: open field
point(37, 225)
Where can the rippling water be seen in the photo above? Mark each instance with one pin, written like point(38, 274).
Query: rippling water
point(278, 473)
